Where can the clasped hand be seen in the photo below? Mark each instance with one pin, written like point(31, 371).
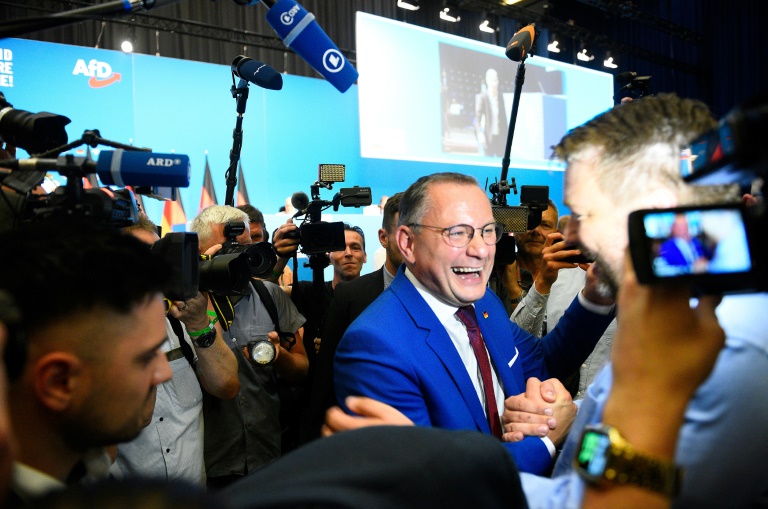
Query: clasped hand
point(544, 410)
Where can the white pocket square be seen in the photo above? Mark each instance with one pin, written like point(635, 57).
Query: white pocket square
point(513, 358)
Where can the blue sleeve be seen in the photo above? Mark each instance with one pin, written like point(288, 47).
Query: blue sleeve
point(567, 346)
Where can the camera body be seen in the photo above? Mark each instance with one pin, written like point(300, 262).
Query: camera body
point(261, 256)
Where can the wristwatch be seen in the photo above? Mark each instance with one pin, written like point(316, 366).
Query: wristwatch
point(203, 338)
point(605, 458)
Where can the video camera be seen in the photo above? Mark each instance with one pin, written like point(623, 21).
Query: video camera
point(316, 236)
point(534, 200)
point(726, 243)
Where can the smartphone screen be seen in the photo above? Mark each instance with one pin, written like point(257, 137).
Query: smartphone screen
point(704, 245)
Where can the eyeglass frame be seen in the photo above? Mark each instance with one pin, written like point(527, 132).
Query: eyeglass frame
point(445, 232)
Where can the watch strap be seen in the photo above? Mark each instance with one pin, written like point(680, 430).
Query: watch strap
point(625, 465)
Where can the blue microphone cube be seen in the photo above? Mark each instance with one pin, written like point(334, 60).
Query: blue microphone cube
point(300, 32)
point(129, 168)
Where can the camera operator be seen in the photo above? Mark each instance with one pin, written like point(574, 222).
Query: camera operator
point(243, 434)
point(313, 302)
point(171, 447)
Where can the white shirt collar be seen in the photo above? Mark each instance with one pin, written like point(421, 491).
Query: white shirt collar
point(30, 483)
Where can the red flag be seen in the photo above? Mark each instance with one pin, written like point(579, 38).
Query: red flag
point(242, 192)
point(208, 194)
point(174, 218)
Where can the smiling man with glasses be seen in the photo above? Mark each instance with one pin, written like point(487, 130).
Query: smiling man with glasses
point(440, 348)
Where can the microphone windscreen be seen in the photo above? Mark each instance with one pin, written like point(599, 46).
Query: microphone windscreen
point(257, 73)
point(299, 31)
point(521, 43)
point(133, 168)
point(299, 200)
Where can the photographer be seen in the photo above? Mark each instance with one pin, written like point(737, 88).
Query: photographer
point(171, 447)
point(243, 434)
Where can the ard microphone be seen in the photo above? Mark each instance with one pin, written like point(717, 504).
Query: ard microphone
point(520, 44)
point(300, 32)
point(257, 73)
point(119, 167)
point(299, 200)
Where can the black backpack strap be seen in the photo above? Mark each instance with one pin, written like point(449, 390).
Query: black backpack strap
point(185, 348)
point(269, 304)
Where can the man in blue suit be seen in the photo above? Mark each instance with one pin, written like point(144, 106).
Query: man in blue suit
point(411, 350)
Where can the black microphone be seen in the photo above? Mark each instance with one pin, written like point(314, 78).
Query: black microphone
point(257, 73)
point(299, 200)
point(520, 44)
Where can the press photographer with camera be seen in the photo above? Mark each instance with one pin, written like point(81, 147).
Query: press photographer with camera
point(171, 447)
point(243, 434)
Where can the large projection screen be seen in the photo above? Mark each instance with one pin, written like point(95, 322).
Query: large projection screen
point(434, 97)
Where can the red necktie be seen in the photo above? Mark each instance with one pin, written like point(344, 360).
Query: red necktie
point(467, 316)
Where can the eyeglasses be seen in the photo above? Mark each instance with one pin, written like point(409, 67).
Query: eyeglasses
point(461, 234)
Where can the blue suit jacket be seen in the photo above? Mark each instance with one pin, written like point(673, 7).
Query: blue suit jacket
point(398, 352)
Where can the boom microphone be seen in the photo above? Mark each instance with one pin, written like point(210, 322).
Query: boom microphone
point(118, 167)
point(257, 73)
point(520, 44)
point(299, 31)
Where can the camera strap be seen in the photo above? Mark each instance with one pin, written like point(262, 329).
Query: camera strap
point(269, 304)
point(185, 348)
point(225, 309)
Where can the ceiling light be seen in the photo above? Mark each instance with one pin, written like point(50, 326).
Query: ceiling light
point(608, 62)
point(584, 57)
point(489, 25)
point(450, 14)
point(510, 2)
point(126, 46)
point(552, 47)
point(411, 5)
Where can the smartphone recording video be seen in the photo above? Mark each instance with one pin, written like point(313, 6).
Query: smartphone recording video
point(705, 246)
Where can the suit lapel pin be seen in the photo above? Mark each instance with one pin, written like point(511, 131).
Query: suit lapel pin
point(485, 314)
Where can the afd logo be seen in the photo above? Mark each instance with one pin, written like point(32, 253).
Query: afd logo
point(162, 161)
point(287, 17)
point(333, 60)
point(100, 73)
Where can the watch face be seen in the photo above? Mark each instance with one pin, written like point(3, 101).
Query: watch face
point(592, 457)
point(206, 339)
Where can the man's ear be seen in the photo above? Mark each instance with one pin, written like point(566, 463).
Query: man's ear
point(56, 378)
point(383, 238)
point(405, 239)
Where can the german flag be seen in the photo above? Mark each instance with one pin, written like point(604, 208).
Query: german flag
point(174, 218)
point(242, 192)
point(208, 194)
